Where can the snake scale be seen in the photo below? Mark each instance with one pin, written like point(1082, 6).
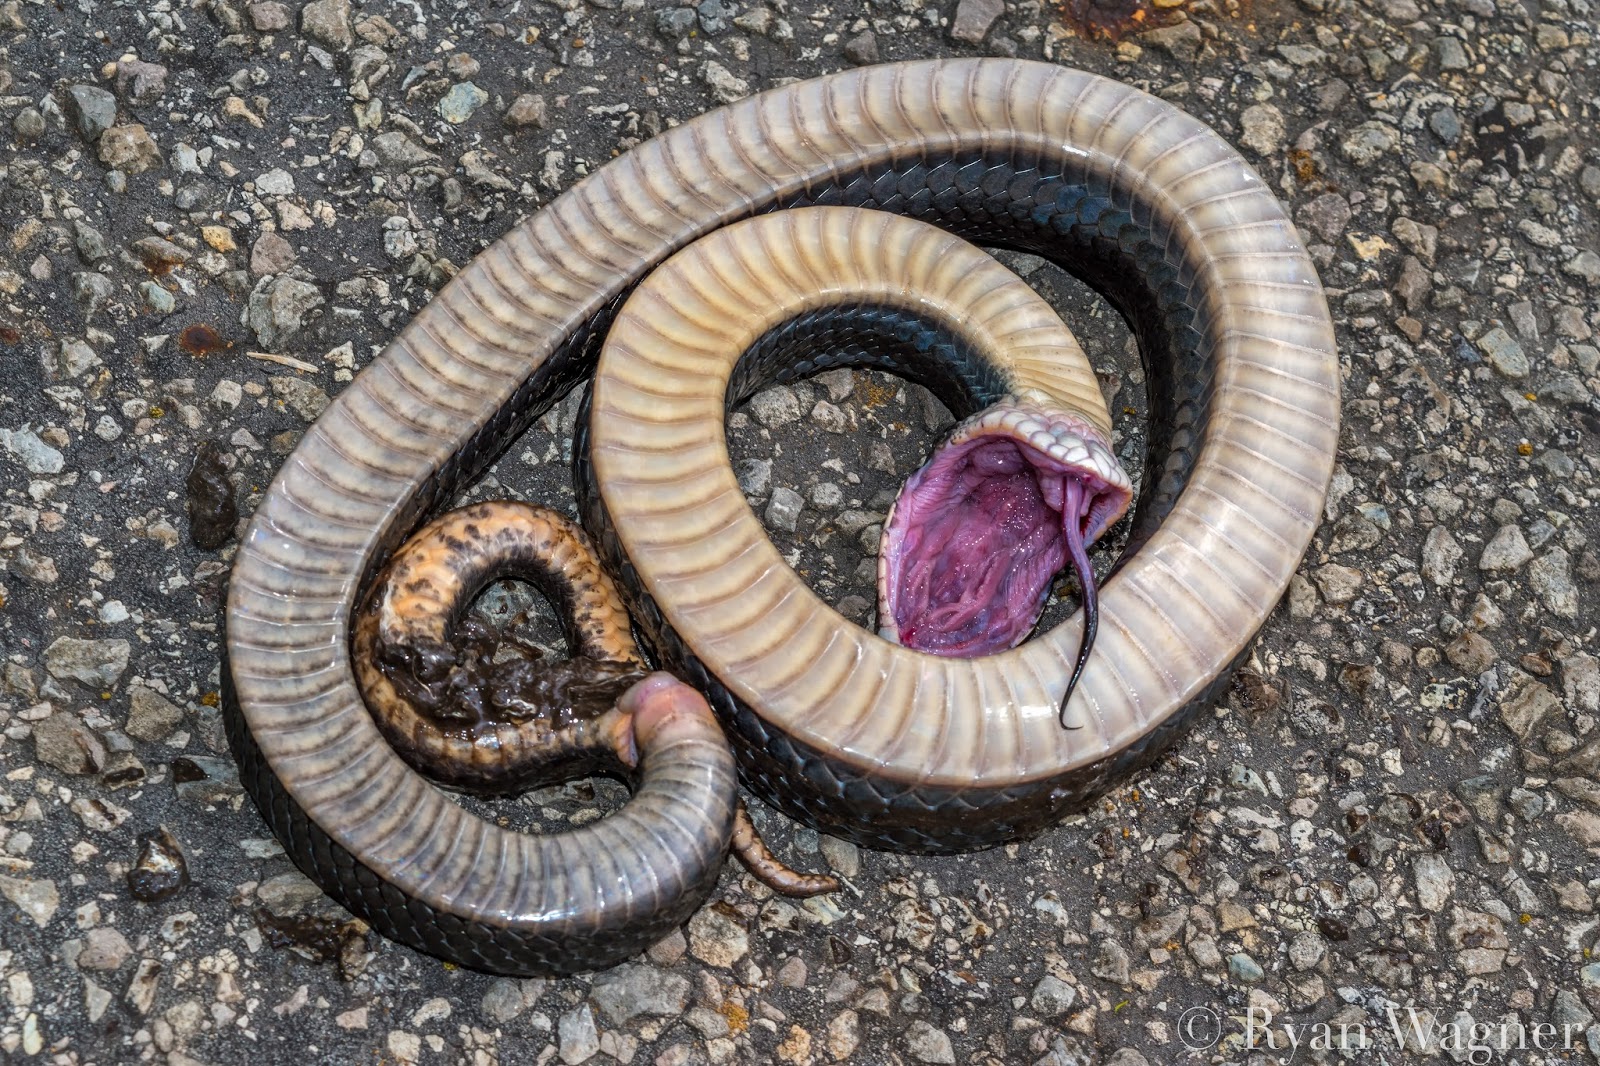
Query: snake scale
point(1130, 194)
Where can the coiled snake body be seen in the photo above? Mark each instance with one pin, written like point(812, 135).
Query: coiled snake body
point(1120, 188)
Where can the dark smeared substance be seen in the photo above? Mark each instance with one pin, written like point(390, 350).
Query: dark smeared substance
point(462, 686)
point(212, 510)
point(318, 939)
point(160, 873)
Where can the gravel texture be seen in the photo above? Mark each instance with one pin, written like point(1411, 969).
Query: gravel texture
point(212, 213)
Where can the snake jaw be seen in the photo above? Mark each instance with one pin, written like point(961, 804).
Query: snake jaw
point(976, 536)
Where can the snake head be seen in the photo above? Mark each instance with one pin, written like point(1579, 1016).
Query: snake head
point(976, 536)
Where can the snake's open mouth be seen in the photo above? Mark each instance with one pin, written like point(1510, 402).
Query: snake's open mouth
point(977, 534)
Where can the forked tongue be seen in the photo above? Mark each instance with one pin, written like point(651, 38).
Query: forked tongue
point(1073, 507)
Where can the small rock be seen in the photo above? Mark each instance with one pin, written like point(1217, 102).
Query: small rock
point(862, 49)
point(1550, 577)
point(271, 254)
point(1181, 41)
point(1584, 266)
point(930, 1045)
point(507, 998)
point(93, 109)
point(724, 86)
point(275, 182)
point(150, 717)
point(633, 990)
point(527, 112)
point(278, 307)
point(579, 1042)
point(1506, 552)
point(1111, 962)
point(395, 149)
point(1525, 702)
point(37, 899)
point(1369, 142)
point(774, 407)
point(717, 939)
point(973, 19)
point(755, 476)
point(1244, 969)
point(212, 510)
point(27, 448)
point(96, 663)
point(160, 872)
point(269, 16)
point(1446, 125)
point(1435, 881)
point(141, 82)
point(1263, 129)
point(1327, 216)
point(1440, 554)
point(328, 23)
point(64, 743)
point(457, 105)
point(783, 511)
point(129, 149)
point(1051, 997)
point(1504, 353)
point(104, 950)
point(1471, 653)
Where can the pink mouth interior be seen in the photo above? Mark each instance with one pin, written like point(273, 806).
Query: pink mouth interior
point(976, 537)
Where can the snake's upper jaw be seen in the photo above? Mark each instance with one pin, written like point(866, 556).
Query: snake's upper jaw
point(976, 536)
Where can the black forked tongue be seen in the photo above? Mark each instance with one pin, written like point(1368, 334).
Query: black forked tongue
point(1073, 505)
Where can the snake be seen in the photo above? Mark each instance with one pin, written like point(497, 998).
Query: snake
point(1140, 200)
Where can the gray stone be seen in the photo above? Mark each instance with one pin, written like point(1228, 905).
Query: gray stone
point(1446, 125)
point(275, 182)
point(1111, 962)
point(96, 663)
point(724, 86)
point(930, 1045)
point(633, 990)
point(29, 124)
point(90, 244)
point(92, 290)
point(129, 149)
point(271, 254)
point(1244, 969)
point(1580, 682)
point(717, 939)
point(507, 998)
point(1181, 41)
point(973, 19)
point(157, 299)
point(1051, 997)
point(395, 149)
point(1451, 53)
point(37, 899)
point(288, 893)
point(579, 1041)
point(755, 476)
point(774, 407)
point(1440, 554)
point(278, 307)
point(104, 950)
point(1369, 142)
point(151, 717)
point(862, 49)
point(458, 105)
point(674, 23)
point(1263, 129)
point(1525, 702)
point(1506, 552)
point(64, 743)
point(1504, 353)
point(269, 16)
point(328, 22)
point(75, 357)
point(1435, 881)
point(527, 111)
point(140, 81)
point(1550, 577)
point(93, 109)
point(1584, 266)
point(32, 453)
point(783, 511)
point(1327, 216)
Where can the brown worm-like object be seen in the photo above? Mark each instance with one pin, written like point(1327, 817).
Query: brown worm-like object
point(472, 720)
point(1119, 187)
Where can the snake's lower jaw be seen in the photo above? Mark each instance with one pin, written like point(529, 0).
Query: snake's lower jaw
point(977, 535)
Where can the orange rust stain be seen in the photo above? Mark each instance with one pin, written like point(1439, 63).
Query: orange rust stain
point(201, 339)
